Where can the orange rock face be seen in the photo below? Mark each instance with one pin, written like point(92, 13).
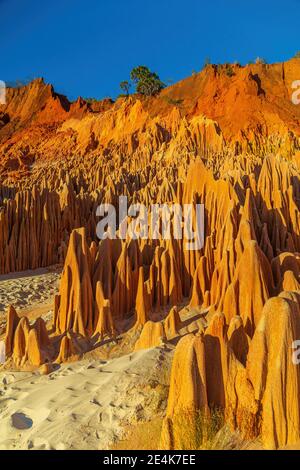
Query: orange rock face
point(188, 391)
point(25, 343)
point(228, 141)
point(152, 335)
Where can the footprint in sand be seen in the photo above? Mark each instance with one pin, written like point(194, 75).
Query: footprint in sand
point(21, 421)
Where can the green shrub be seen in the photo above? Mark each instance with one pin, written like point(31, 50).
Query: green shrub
point(125, 87)
point(197, 430)
point(147, 83)
point(229, 70)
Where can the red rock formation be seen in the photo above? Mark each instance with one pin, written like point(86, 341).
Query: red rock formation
point(142, 301)
point(59, 160)
point(26, 344)
point(76, 293)
point(67, 350)
point(172, 323)
point(188, 392)
point(274, 376)
point(11, 325)
point(152, 335)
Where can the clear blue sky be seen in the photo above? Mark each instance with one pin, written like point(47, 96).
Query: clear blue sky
point(86, 47)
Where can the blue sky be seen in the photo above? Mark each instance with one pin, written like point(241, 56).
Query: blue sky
point(86, 47)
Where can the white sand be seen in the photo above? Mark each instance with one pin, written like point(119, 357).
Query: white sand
point(82, 405)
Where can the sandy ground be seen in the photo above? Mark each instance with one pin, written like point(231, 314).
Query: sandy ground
point(82, 405)
point(29, 290)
